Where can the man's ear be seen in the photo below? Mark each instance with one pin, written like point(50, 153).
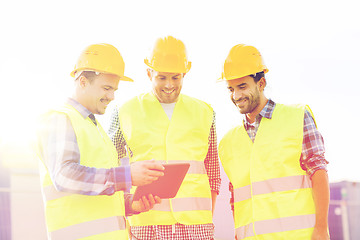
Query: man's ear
point(262, 84)
point(149, 73)
point(83, 81)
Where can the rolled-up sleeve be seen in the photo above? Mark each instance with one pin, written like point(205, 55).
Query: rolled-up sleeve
point(60, 154)
point(313, 149)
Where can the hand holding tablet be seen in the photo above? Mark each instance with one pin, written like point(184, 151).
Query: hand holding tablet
point(145, 203)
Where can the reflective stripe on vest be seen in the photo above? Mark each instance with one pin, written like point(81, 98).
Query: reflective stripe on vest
point(196, 167)
point(91, 228)
point(272, 185)
point(184, 138)
point(276, 225)
point(184, 204)
point(272, 194)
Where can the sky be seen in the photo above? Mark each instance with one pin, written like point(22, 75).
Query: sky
point(310, 47)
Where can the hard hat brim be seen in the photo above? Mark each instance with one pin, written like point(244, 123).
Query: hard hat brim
point(123, 78)
point(170, 70)
point(72, 74)
point(222, 79)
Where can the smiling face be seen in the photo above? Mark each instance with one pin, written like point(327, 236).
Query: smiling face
point(96, 94)
point(166, 86)
point(246, 94)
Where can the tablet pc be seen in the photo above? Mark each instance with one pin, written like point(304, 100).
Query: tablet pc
point(166, 186)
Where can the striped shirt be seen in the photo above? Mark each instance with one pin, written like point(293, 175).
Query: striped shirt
point(61, 155)
point(312, 156)
point(177, 231)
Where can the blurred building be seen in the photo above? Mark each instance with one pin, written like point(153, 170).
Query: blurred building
point(344, 211)
point(5, 217)
point(21, 206)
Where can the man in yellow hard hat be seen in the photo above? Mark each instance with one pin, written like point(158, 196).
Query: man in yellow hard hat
point(172, 127)
point(82, 182)
point(274, 160)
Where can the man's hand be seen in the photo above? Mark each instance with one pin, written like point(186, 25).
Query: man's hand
point(145, 172)
point(145, 204)
point(320, 234)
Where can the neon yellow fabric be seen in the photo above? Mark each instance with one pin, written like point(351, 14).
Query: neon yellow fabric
point(274, 154)
point(96, 150)
point(151, 135)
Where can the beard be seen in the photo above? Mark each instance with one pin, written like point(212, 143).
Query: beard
point(252, 102)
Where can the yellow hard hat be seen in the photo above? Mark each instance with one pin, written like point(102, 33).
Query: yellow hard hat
point(169, 55)
point(243, 60)
point(102, 58)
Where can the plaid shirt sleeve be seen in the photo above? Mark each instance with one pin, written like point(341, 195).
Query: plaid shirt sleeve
point(212, 160)
point(60, 153)
point(312, 156)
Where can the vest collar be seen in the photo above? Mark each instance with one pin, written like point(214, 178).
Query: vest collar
point(266, 112)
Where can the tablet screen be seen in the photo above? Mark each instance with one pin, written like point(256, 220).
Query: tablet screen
point(166, 186)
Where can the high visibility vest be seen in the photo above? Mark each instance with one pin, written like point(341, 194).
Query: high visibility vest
point(75, 216)
point(151, 135)
point(272, 194)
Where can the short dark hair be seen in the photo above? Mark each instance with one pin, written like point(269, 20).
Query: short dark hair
point(257, 76)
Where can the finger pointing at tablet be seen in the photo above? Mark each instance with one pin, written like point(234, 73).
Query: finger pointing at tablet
point(145, 172)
